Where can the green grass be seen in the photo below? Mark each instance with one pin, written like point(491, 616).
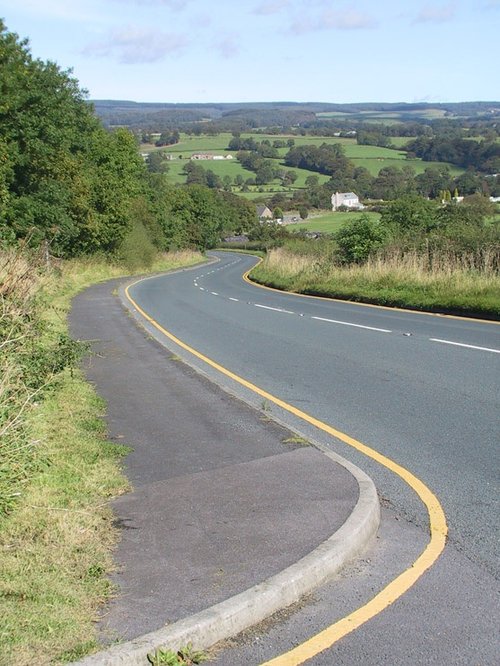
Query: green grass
point(400, 141)
point(220, 167)
point(329, 222)
point(56, 545)
point(56, 540)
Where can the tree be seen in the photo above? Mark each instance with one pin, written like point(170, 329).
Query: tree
point(432, 180)
point(67, 181)
point(392, 183)
point(303, 212)
point(410, 213)
point(196, 174)
point(312, 181)
point(277, 213)
point(213, 181)
point(290, 178)
point(264, 174)
point(157, 162)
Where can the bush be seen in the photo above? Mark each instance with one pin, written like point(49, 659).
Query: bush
point(136, 249)
point(357, 239)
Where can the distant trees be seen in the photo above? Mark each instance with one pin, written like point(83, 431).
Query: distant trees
point(157, 162)
point(262, 148)
point(168, 138)
point(372, 138)
point(410, 213)
point(483, 156)
point(326, 158)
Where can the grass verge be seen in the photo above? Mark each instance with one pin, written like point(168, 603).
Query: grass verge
point(57, 535)
point(398, 281)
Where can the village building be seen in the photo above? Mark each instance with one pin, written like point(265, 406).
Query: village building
point(264, 213)
point(347, 199)
point(210, 156)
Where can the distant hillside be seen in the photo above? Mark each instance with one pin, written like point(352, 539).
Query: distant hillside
point(230, 116)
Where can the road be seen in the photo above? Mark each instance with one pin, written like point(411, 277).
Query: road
point(420, 389)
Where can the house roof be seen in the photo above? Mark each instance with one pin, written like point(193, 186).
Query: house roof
point(261, 210)
point(346, 195)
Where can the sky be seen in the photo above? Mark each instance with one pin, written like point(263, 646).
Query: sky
point(268, 50)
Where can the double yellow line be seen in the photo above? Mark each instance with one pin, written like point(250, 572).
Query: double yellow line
point(396, 588)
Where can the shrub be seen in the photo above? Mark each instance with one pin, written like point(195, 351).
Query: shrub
point(357, 239)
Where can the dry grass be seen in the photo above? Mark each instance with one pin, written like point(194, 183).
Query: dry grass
point(469, 283)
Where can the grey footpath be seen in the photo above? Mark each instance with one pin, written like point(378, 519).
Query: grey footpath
point(231, 517)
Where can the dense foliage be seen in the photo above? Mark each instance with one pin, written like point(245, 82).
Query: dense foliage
point(72, 186)
point(483, 156)
point(326, 158)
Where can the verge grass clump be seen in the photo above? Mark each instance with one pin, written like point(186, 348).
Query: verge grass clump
point(445, 281)
point(57, 470)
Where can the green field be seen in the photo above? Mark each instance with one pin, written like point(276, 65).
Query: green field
point(400, 141)
point(373, 158)
point(329, 222)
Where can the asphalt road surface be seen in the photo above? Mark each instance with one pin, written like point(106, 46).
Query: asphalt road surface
point(422, 390)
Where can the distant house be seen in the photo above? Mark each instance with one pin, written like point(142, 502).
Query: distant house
point(264, 213)
point(242, 238)
point(347, 199)
point(210, 156)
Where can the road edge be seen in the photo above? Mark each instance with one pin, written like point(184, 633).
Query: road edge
point(241, 611)
point(228, 618)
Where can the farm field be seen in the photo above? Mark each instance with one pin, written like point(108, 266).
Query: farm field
point(373, 158)
point(328, 222)
point(387, 117)
point(400, 141)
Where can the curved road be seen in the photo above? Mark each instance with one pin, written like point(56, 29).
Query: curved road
point(421, 389)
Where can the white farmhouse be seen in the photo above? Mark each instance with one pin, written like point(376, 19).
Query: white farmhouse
point(347, 199)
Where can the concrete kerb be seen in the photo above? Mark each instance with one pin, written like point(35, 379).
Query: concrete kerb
point(230, 617)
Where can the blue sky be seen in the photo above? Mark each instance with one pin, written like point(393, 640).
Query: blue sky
point(268, 50)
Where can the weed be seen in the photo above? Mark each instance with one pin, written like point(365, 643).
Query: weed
point(296, 440)
point(183, 657)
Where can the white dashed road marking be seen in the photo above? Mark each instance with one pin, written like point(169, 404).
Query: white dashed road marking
point(348, 323)
point(462, 344)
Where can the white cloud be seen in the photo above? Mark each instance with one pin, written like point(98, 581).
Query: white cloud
point(436, 14)
point(349, 19)
point(271, 7)
point(132, 45)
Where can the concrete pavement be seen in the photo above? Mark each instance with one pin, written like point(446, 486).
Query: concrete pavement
point(230, 511)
